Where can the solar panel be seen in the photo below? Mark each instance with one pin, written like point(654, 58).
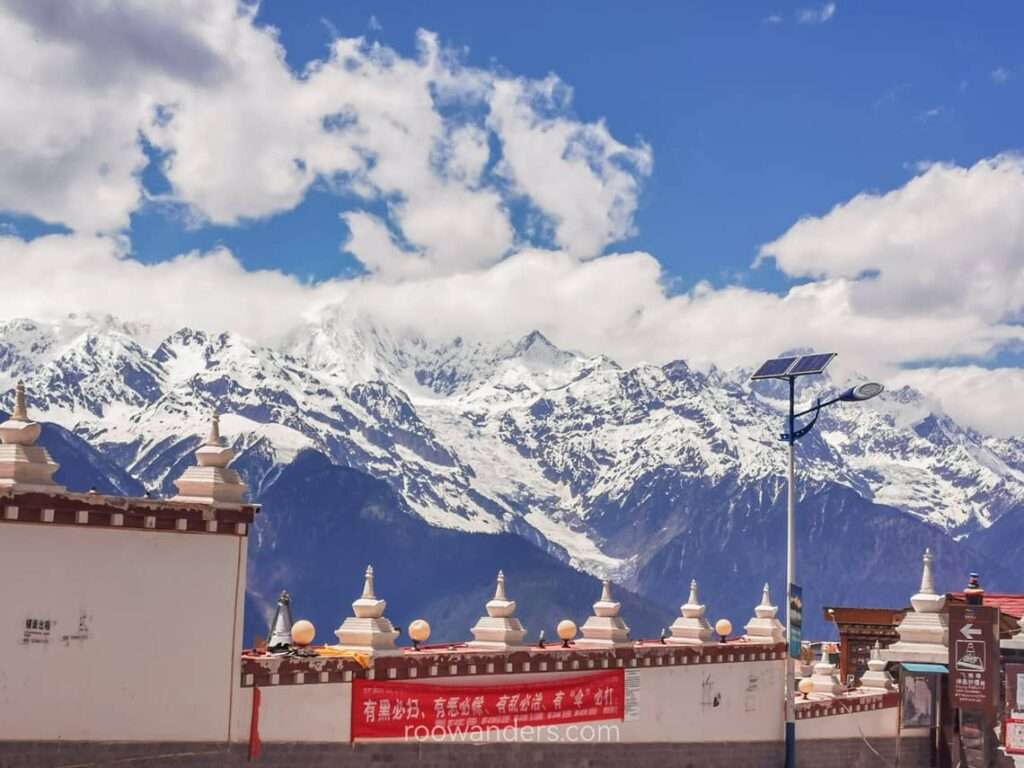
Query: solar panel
point(774, 368)
point(811, 364)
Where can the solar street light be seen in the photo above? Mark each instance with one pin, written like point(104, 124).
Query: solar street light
point(791, 368)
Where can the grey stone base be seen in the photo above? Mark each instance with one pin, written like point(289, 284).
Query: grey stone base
point(839, 753)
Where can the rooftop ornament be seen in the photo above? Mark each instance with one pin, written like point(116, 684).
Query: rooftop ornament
point(605, 629)
point(368, 631)
point(499, 629)
point(691, 628)
point(924, 632)
point(24, 466)
point(280, 635)
point(876, 675)
point(212, 481)
point(765, 627)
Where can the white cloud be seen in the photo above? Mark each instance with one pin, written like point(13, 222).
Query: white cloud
point(1000, 75)
point(930, 114)
point(987, 399)
point(244, 137)
point(576, 173)
point(441, 153)
point(816, 15)
point(773, 18)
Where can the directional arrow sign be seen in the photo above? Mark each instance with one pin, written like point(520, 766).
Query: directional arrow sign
point(970, 631)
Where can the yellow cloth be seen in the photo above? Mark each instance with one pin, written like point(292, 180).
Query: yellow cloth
point(362, 659)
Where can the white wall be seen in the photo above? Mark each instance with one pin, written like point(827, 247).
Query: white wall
point(159, 659)
point(676, 704)
point(874, 723)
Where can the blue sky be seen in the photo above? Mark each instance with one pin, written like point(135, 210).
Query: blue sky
point(752, 122)
point(709, 181)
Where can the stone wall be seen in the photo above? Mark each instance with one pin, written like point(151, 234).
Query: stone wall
point(830, 753)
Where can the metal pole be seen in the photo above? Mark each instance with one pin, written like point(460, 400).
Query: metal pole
point(790, 579)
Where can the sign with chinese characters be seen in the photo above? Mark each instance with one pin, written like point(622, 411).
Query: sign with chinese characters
point(796, 619)
point(632, 694)
point(391, 709)
point(974, 656)
point(1015, 689)
point(1014, 741)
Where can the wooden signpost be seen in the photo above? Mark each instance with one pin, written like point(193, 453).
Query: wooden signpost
point(974, 677)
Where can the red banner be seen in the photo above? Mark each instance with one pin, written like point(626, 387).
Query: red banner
point(387, 710)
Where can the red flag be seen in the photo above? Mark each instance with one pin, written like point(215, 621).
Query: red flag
point(255, 745)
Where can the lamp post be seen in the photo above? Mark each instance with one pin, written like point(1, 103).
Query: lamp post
point(790, 368)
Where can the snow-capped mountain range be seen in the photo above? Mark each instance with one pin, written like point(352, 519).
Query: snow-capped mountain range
point(593, 461)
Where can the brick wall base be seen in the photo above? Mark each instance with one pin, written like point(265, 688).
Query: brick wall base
point(839, 753)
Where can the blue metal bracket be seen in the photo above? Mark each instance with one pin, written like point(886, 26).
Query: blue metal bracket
point(797, 434)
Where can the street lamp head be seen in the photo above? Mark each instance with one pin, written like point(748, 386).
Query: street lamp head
point(861, 392)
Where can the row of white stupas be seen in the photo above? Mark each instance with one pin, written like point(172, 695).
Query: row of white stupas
point(25, 466)
point(370, 632)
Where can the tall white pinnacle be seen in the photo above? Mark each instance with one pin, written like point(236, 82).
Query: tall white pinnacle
point(368, 584)
point(927, 576)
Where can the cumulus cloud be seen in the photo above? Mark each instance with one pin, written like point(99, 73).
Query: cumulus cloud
point(436, 156)
point(241, 136)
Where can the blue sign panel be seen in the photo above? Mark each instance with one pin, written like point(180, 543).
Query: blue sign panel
point(796, 619)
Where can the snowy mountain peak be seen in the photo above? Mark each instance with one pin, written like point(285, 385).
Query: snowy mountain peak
point(595, 461)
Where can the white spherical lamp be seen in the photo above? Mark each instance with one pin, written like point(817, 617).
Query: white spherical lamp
point(566, 631)
point(419, 632)
point(303, 633)
point(724, 628)
point(806, 686)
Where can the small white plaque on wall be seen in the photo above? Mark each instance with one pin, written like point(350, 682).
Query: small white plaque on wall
point(632, 694)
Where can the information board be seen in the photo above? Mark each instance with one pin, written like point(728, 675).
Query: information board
point(974, 657)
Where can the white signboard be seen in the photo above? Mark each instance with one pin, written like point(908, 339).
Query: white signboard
point(632, 694)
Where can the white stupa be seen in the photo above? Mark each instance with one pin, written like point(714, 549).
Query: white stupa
point(691, 628)
point(876, 675)
point(605, 629)
point(368, 631)
point(824, 678)
point(924, 631)
point(211, 481)
point(499, 629)
point(765, 627)
point(24, 466)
